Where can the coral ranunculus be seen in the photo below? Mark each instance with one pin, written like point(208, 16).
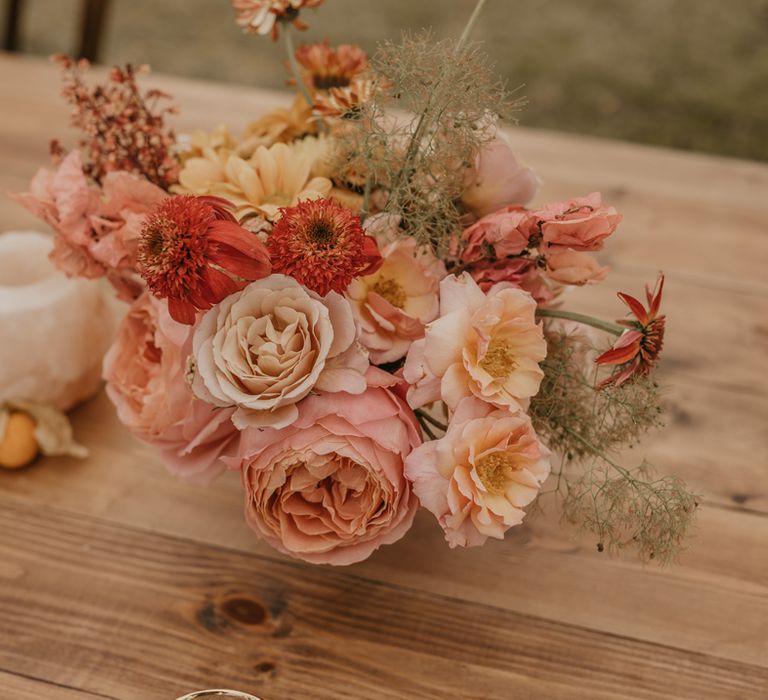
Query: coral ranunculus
point(484, 346)
point(582, 223)
point(479, 476)
point(264, 349)
point(194, 253)
point(322, 244)
point(330, 488)
point(144, 370)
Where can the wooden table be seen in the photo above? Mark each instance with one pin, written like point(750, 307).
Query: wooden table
point(116, 581)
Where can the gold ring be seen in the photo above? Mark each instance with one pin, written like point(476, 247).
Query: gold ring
point(203, 694)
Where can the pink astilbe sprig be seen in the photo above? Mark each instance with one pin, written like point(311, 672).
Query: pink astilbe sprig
point(123, 128)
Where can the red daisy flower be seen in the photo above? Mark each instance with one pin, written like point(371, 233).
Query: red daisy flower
point(322, 245)
point(636, 352)
point(194, 253)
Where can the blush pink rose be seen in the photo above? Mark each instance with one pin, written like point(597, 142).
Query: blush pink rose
point(393, 304)
point(97, 229)
point(144, 370)
point(479, 476)
point(330, 489)
point(582, 223)
point(487, 346)
point(568, 266)
point(498, 180)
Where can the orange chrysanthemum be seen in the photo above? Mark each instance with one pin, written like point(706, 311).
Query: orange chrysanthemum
point(194, 253)
point(326, 67)
point(636, 352)
point(322, 245)
point(264, 16)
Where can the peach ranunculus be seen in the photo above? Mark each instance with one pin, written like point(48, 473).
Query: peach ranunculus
point(568, 266)
point(330, 489)
point(144, 370)
point(393, 304)
point(582, 223)
point(498, 180)
point(265, 348)
point(479, 476)
point(484, 346)
point(97, 230)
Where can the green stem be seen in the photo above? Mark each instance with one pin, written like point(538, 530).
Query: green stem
point(606, 326)
point(423, 415)
point(470, 25)
point(424, 123)
point(294, 64)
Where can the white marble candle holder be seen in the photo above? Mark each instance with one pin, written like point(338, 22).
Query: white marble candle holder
point(54, 331)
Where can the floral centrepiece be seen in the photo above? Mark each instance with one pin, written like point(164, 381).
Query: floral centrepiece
point(356, 306)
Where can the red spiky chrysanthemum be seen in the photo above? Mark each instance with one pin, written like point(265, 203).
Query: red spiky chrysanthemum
point(637, 349)
point(322, 245)
point(194, 253)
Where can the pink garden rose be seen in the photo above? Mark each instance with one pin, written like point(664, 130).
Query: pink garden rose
point(144, 370)
point(393, 304)
point(582, 223)
point(498, 180)
point(479, 476)
point(488, 346)
point(97, 230)
point(568, 266)
point(265, 348)
point(330, 488)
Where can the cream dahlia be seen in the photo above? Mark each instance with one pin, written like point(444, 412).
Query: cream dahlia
point(272, 178)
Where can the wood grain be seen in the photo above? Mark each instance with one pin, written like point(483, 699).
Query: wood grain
point(146, 616)
point(118, 581)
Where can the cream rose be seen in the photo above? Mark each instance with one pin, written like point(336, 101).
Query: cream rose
point(265, 348)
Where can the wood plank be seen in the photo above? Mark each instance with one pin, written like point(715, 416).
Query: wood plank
point(134, 615)
point(692, 605)
point(15, 687)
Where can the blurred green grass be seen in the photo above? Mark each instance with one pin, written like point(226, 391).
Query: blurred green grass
point(689, 74)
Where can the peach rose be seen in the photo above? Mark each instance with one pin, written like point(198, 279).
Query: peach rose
point(568, 266)
point(484, 346)
point(330, 488)
point(393, 304)
point(498, 180)
point(264, 348)
point(582, 223)
point(479, 476)
point(144, 370)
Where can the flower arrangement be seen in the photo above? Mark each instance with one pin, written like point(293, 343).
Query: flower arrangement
point(352, 305)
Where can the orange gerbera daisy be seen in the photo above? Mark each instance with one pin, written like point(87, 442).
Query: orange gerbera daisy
point(194, 253)
point(322, 245)
point(636, 352)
